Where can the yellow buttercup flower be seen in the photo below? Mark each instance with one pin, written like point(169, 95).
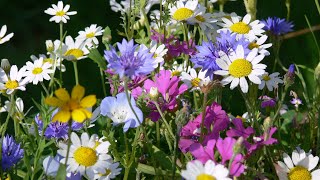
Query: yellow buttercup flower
point(74, 107)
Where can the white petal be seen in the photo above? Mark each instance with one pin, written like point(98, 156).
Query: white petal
point(234, 83)
point(244, 85)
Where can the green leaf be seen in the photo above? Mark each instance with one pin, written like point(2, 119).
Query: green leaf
point(62, 173)
point(162, 158)
point(97, 58)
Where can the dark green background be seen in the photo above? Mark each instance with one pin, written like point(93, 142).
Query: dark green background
point(32, 27)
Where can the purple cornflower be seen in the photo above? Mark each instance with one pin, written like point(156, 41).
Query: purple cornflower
point(12, 153)
point(267, 101)
point(228, 42)
point(133, 60)
point(277, 26)
point(56, 129)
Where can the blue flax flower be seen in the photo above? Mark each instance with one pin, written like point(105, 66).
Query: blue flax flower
point(132, 61)
point(11, 153)
point(119, 111)
point(277, 26)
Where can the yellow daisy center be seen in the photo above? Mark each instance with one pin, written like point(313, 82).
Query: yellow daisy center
point(77, 53)
point(240, 68)
point(240, 28)
point(60, 13)
point(200, 18)
point(11, 84)
point(108, 171)
point(299, 173)
point(72, 105)
point(195, 82)
point(266, 78)
point(253, 45)
point(48, 60)
point(85, 156)
point(182, 14)
point(37, 70)
point(175, 73)
point(205, 177)
point(90, 35)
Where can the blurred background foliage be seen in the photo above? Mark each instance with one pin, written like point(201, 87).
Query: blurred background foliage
point(32, 28)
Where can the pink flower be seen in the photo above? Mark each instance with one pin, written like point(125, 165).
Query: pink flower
point(264, 140)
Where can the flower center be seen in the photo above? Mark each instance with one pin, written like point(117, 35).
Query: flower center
point(73, 104)
point(37, 70)
point(298, 173)
point(205, 177)
point(108, 171)
point(85, 156)
point(90, 35)
point(182, 14)
point(119, 115)
point(195, 82)
point(200, 18)
point(266, 78)
point(240, 68)
point(11, 84)
point(77, 53)
point(60, 13)
point(253, 45)
point(240, 28)
point(175, 73)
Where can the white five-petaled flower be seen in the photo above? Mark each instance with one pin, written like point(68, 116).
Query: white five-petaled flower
point(13, 81)
point(4, 38)
point(86, 155)
point(158, 52)
point(271, 81)
point(183, 10)
point(75, 49)
point(59, 13)
point(236, 67)
point(196, 170)
point(193, 79)
point(242, 27)
point(298, 167)
point(38, 70)
point(89, 34)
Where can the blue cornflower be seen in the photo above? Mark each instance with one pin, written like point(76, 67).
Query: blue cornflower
point(11, 153)
point(119, 111)
point(277, 26)
point(228, 42)
point(56, 129)
point(132, 61)
point(206, 57)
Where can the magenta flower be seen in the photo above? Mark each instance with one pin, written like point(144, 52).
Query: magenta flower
point(168, 88)
point(264, 140)
point(216, 120)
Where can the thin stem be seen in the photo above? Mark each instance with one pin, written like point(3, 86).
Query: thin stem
point(69, 141)
point(195, 100)
point(158, 133)
point(60, 48)
point(128, 165)
point(204, 107)
point(44, 88)
point(103, 83)
point(164, 120)
point(75, 72)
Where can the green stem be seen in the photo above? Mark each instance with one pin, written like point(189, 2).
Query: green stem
point(164, 120)
point(75, 72)
point(127, 165)
point(195, 100)
point(204, 107)
point(44, 88)
point(69, 141)
point(283, 95)
point(158, 133)
point(60, 48)
point(103, 83)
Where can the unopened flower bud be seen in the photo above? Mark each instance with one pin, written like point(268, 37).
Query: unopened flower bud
point(154, 93)
point(5, 65)
point(107, 37)
point(267, 123)
point(49, 45)
point(289, 77)
point(238, 145)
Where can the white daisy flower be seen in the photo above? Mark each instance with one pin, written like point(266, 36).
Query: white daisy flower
point(13, 81)
point(38, 70)
point(51, 59)
point(19, 107)
point(76, 50)
point(193, 79)
point(242, 27)
point(59, 13)
point(183, 10)
point(271, 81)
point(196, 170)
point(236, 67)
point(89, 34)
point(203, 19)
point(110, 173)
point(298, 167)
point(86, 156)
point(158, 53)
point(4, 38)
point(258, 43)
point(177, 69)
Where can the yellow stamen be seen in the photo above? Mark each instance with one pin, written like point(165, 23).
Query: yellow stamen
point(205, 177)
point(240, 28)
point(60, 13)
point(240, 68)
point(299, 173)
point(85, 156)
point(11, 84)
point(195, 82)
point(37, 70)
point(90, 35)
point(182, 14)
point(77, 53)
